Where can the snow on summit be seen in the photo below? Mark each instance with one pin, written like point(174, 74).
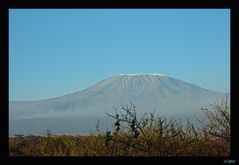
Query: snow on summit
point(154, 74)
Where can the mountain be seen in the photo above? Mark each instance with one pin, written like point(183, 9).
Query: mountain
point(165, 95)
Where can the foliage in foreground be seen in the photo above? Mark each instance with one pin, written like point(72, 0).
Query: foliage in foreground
point(149, 136)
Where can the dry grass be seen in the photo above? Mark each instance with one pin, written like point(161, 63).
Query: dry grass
point(148, 136)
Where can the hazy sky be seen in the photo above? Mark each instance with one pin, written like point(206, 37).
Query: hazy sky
point(53, 52)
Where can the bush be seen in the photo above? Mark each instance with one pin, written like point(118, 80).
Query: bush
point(150, 135)
point(156, 136)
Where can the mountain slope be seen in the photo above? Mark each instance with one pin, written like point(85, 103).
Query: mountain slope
point(147, 91)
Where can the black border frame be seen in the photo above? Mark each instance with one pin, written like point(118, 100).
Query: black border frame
point(150, 4)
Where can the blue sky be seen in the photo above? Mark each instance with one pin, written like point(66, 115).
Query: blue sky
point(53, 52)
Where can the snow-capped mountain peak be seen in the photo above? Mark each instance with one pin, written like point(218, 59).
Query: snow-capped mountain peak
point(147, 91)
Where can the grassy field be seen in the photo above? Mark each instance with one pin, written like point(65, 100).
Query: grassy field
point(150, 135)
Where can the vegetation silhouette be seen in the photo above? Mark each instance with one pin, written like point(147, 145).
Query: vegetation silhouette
point(150, 135)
